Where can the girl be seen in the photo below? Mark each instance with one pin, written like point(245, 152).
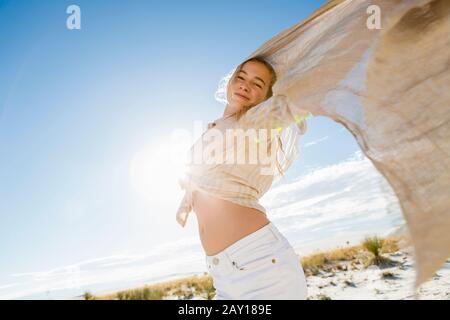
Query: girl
point(246, 255)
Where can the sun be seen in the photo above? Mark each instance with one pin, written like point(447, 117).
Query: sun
point(156, 168)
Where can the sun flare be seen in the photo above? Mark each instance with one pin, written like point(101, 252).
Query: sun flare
point(156, 168)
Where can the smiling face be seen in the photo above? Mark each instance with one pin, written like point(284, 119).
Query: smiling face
point(249, 86)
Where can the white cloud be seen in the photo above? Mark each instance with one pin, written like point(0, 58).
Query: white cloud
point(308, 144)
point(350, 197)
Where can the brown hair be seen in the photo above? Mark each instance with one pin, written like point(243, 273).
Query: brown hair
point(241, 112)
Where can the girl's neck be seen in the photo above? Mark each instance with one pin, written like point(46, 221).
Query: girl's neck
point(229, 111)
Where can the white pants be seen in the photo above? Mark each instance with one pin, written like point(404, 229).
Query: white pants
point(263, 265)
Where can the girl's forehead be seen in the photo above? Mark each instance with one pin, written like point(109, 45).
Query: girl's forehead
point(256, 69)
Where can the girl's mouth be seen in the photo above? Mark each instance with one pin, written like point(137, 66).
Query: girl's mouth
point(241, 96)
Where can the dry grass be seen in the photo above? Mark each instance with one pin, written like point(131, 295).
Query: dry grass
point(370, 251)
point(88, 296)
point(184, 288)
point(356, 256)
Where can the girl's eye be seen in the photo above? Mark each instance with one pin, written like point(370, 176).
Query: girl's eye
point(259, 86)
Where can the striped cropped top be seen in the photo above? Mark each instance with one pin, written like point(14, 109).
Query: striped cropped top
point(239, 166)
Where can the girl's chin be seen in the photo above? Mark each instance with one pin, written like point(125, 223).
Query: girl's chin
point(237, 106)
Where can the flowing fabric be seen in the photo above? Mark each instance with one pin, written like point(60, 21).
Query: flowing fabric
point(390, 88)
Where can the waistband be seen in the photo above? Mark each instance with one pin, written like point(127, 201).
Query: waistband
point(225, 257)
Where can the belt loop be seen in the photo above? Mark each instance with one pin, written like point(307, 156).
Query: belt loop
point(228, 257)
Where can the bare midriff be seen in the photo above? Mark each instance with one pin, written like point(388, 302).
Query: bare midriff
point(222, 223)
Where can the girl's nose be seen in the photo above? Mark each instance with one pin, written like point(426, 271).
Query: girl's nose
point(243, 86)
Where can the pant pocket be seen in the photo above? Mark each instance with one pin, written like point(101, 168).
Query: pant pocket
point(258, 260)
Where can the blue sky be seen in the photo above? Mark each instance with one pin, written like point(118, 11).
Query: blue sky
point(77, 106)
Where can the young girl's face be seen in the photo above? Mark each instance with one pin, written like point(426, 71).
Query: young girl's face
point(250, 86)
